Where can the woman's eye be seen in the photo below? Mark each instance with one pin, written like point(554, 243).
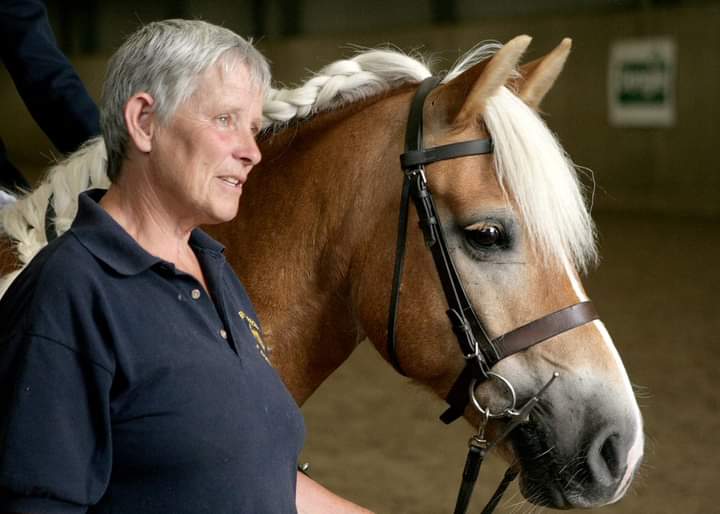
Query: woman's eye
point(223, 120)
point(485, 236)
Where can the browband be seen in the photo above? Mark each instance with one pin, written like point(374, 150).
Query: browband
point(414, 158)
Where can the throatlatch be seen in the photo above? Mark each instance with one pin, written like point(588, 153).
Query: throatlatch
point(480, 352)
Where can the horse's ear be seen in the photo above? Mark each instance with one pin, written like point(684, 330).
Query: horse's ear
point(484, 79)
point(538, 76)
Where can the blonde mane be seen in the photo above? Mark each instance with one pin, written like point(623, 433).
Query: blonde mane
point(531, 165)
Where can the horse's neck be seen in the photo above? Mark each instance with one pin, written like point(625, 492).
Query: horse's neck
point(303, 214)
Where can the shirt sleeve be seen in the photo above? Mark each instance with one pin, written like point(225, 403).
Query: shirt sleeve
point(55, 442)
point(47, 82)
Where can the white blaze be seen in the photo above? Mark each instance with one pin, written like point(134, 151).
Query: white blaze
point(636, 450)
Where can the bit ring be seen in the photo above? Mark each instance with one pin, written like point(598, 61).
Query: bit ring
point(486, 412)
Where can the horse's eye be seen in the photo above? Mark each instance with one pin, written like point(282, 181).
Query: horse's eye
point(485, 235)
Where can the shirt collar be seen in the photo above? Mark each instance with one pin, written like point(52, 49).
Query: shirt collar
point(102, 236)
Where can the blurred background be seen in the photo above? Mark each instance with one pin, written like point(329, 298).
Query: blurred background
point(637, 104)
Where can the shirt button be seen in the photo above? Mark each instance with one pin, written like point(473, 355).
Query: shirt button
point(195, 294)
point(223, 334)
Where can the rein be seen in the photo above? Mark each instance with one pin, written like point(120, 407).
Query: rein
point(479, 351)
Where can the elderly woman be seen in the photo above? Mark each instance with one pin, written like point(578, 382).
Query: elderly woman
point(131, 382)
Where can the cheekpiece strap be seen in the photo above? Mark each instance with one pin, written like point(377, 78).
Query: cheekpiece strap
point(413, 139)
point(414, 127)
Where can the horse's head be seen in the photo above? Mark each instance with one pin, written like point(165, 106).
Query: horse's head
point(518, 232)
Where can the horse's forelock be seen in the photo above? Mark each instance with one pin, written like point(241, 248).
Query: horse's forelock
point(475, 55)
point(534, 170)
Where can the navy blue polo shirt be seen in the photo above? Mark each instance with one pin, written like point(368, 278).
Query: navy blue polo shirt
point(125, 388)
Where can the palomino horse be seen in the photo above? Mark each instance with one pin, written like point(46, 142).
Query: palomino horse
point(314, 242)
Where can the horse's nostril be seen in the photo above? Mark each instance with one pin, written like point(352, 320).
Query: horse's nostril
point(608, 460)
point(608, 451)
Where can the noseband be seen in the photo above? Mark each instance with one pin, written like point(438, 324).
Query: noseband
point(479, 351)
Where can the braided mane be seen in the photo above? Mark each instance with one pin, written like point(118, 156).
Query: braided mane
point(352, 80)
point(343, 82)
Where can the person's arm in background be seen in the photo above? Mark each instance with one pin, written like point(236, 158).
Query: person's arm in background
point(10, 178)
point(312, 498)
point(43, 76)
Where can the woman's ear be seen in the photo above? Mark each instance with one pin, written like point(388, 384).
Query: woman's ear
point(140, 120)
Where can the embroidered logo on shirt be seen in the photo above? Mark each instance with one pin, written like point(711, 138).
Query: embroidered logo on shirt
point(264, 349)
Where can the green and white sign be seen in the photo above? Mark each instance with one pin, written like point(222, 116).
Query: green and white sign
point(641, 82)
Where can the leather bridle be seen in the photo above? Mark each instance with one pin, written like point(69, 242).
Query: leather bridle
point(479, 351)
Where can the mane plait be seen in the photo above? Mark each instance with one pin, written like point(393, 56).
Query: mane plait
point(343, 82)
point(347, 81)
point(24, 220)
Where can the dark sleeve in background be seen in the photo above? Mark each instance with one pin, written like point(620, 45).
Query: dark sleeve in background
point(43, 76)
point(10, 178)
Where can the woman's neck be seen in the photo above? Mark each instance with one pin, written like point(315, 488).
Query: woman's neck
point(139, 209)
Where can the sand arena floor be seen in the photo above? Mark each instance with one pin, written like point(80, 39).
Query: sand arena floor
point(374, 437)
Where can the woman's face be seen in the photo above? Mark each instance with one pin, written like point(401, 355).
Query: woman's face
point(200, 160)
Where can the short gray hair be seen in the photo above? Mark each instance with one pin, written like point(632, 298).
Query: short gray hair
point(164, 59)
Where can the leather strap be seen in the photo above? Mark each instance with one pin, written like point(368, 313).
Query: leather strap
point(508, 478)
point(459, 396)
point(545, 328)
point(475, 457)
point(414, 158)
point(413, 139)
point(414, 127)
point(397, 277)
